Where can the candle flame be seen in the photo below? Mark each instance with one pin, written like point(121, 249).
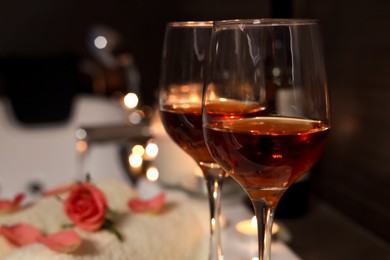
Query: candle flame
point(249, 227)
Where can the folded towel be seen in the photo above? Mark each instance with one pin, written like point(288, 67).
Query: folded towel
point(179, 232)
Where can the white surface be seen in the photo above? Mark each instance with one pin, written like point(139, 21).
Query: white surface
point(47, 154)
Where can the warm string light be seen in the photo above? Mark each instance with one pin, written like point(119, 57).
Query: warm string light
point(151, 150)
point(135, 160)
point(139, 154)
point(136, 117)
point(138, 149)
point(131, 100)
point(152, 174)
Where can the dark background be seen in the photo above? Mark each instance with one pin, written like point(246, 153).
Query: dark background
point(45, 41)
point(354, 174)
point(46, 29)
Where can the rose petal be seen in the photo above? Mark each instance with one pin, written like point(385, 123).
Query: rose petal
point(9, 206)
point(18, 199)
point(66, 241)
point(5, 206)
point(153, 205)
point(21, 234)
point(59, 190)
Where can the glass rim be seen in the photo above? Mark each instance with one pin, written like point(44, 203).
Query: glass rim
point(267, 22)
point(190, 24)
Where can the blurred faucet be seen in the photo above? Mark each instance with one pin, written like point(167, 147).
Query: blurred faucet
point(125, 135)
point(114, 133)
point(103, 43)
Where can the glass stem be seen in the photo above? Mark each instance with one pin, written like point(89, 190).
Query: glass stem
point(214, 180)
point(265, 215)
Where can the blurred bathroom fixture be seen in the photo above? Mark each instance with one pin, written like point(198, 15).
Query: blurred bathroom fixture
point(112, 68)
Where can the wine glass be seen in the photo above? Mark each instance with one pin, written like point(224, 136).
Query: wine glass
point(185, 49)
point(265, 108)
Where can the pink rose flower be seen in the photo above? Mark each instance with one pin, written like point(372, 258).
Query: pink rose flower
point(86, 207)
point(9, 206)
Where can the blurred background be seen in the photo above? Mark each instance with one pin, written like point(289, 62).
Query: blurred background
point(52, 52)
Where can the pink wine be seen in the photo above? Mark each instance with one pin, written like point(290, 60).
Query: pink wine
point(266, 154)
point(184, 125)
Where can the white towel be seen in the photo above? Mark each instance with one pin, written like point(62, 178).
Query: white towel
point(179, 232)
